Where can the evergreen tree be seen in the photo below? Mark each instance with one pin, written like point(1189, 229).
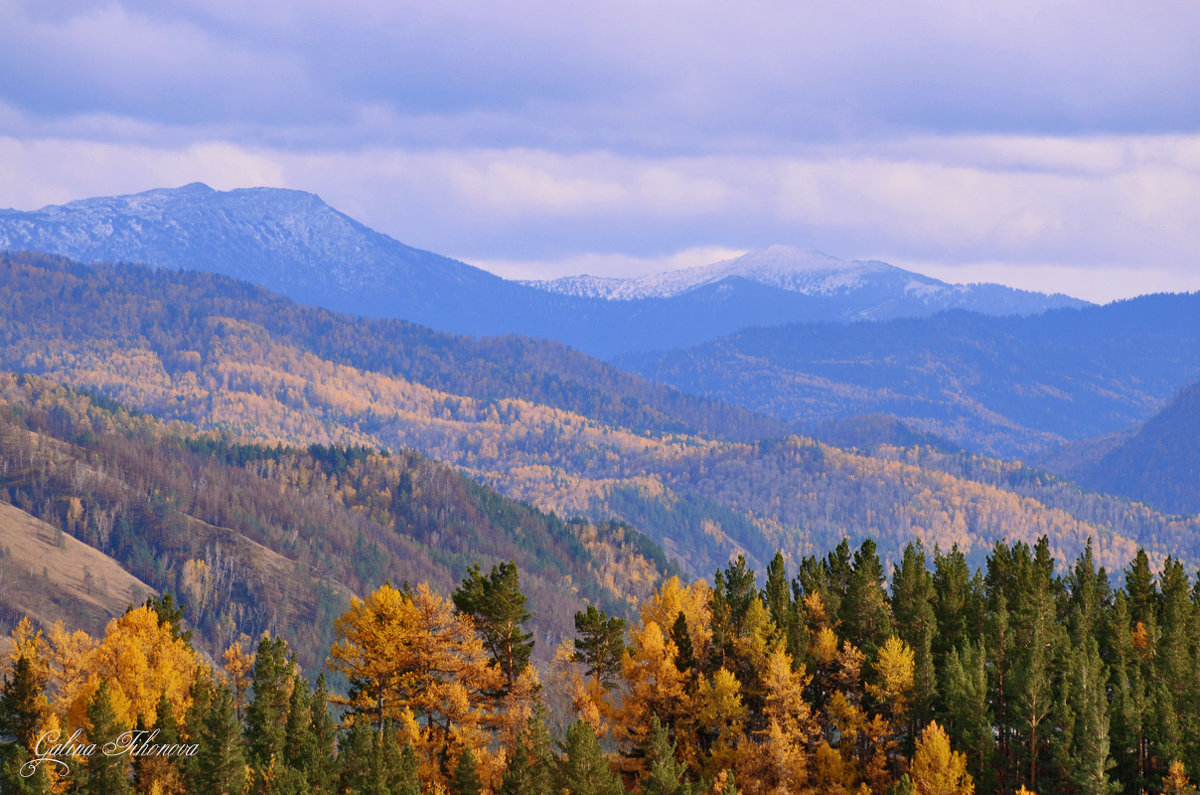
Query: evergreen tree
point(866, 620)
point(165, 770)
point(665, 775)
point(266, 715)
point(22, 709)
point(104, 773)
point(532, 767)
point(321, 768)
point(497, 605)
point(600, 644)
point(219, 766)
point(466, 774)
point(1087, 759)
point(584, 769)
point(951, 584)
point(969, 722)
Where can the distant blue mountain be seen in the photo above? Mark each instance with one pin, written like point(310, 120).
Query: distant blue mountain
point(1008, 386)
point(293, 243)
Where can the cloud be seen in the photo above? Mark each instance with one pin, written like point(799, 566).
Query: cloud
point(635, 78)
point(1127, 204)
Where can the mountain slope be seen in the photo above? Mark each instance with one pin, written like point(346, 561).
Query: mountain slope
point(1005, 386)
point(293, 243)
point(52, 576)
point(203, 349)
point(1157, 462)
point(254, 537)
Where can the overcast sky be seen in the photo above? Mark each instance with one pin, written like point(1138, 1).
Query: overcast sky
point(1049, 145)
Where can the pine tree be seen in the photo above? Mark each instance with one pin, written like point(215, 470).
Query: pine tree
point(866, 619)
point(162, 772)
point(219, 766)
point(1088, 758)
point(466, 774)
point(665, 776)
point(600, 644)
point(266, 715)
point(321, 768)
point(532, 767)
point(965, 685)
point(104, 773)
point(584, 769)
point(497, 606)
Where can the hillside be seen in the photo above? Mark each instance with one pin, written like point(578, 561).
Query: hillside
point(257, 538)
point(293, 243)
point(52, 576)
point(1003, 386)
point(201, 349)
point(1157, 462)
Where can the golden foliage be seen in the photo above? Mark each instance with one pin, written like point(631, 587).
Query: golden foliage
point(936, 769)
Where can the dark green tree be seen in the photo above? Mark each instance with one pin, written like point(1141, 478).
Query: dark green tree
point(600, 644)
point(466, 775)
point(664, 775)
point(866, 619)
point(104, 773)
point(584, 769)
point(532, 767)
point(497, 605)
point(267, 713)
point(219, 766)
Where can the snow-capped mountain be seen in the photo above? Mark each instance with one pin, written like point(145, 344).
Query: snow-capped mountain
point(292, 242)
point(863, 289)
point(787, 267)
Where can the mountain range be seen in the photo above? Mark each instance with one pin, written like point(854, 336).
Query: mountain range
point(887, 413)
point(295, 244)
point(703, 480)
point(846, 290)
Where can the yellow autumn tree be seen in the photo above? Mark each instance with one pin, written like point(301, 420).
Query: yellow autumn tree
point(1176, 781)
point(936, 769)
point(239, 662)
point(654, 686)
point(722, 715)
point(139, 658)
point(894, 673)
point(778, 761)
point(412, 659)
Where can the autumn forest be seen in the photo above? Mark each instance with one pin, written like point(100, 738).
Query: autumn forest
point(249, 546)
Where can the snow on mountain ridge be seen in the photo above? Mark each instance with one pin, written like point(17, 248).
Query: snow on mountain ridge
point(789, 268)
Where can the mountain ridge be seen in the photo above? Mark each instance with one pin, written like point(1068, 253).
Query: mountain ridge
point(293, 243)
point(813, 273)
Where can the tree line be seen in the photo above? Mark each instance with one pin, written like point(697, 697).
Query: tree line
point(1017, 677)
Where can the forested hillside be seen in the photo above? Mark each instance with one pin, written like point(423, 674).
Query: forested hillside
point(1012, 678)
point(1157, 462)
point(1002, 386)
point(258, 538)
point(224, 355)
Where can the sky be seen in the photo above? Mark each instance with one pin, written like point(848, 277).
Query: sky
point(1047, 145)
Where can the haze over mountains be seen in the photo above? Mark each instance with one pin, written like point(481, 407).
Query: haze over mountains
point(294, 243)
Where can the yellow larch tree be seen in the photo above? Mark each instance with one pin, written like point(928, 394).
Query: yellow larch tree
point(654, 685)
point(936, 769)
point(412, 659)
point(139, 658)
point(778, 761)
point(722, 715)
